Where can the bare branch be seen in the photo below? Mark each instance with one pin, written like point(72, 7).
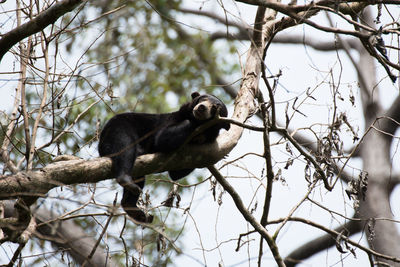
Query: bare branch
point(65, 234)
point(25, 52)
point(247, 215)
point(335, 234)
point(97, 243)
point(316, 44)
point(41, 21)
point(347, 7)
point(213, 16)
point(42, 103)
point(391, 120)
point(321, 243)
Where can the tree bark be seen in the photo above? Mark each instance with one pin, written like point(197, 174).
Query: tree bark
point(382, 235)
point(39, 182)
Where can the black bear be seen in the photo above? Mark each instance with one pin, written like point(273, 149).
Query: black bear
point(129, 135)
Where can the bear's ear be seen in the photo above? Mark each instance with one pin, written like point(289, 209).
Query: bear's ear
point(195, 94)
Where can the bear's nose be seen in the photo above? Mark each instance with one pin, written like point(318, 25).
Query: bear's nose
point(201, 107)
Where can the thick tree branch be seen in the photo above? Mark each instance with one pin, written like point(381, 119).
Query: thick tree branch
point(39, 182)
point(41, 21)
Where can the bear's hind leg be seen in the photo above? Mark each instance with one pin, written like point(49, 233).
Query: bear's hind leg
point(129, 203)
point(124, 156)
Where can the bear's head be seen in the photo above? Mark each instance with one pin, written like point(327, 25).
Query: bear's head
point(206, 106)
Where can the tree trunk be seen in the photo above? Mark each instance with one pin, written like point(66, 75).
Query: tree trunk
point(375, 152)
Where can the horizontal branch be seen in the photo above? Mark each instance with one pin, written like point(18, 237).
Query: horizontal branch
point(39, 182)
point(315, 43)
point(345, 6)
point(299, 14)
point(211, 15)
point(37, 24)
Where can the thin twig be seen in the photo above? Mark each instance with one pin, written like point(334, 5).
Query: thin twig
point(43, 102)
point(247, 215)
point(90, 256)
point(335, 234)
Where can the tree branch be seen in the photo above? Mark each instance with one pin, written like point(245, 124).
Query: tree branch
point(65, 234)
point(41, 21)
point(212, 16)
point(247, 215)
point(335, 234)
point(39, 182)
point(321, 243)
point(316, 44)
point(391, 120)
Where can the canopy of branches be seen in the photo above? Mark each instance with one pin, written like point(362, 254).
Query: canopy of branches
point(308, 168)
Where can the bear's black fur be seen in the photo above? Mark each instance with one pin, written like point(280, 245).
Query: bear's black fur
point(129, 135)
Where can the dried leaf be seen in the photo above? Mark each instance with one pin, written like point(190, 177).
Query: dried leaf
point(288, 149)
point(254, 208)
point(278, 175)
point(289, 163)
point(338, 245)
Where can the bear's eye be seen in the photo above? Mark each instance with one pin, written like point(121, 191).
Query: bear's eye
point(214, 109)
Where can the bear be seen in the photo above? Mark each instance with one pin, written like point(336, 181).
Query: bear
point(129, 135)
